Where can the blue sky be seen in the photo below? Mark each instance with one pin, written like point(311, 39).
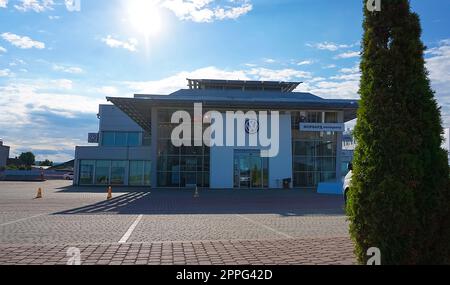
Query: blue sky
point(57, 65)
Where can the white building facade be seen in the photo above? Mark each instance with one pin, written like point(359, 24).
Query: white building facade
point(135, 147)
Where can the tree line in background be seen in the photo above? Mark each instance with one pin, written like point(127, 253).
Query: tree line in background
point(25, 162)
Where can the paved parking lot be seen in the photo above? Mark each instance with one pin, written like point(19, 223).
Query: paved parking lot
point(139, 226)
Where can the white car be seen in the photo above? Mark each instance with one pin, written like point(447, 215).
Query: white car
point(347, 181)
point(68, 176)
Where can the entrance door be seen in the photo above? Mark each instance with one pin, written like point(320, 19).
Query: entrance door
point(250, 170)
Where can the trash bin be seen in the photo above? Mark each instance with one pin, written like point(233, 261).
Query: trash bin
point(287, 183)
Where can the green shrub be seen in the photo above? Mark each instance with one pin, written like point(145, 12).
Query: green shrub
point(399, 199)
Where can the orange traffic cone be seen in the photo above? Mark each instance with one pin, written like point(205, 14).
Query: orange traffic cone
point(109, 197)
point(39, 194)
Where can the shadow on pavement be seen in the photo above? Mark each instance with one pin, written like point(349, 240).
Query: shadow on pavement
point(99, 189)
point(172, 202)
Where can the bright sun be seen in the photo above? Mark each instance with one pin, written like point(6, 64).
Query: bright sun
point(144, 16)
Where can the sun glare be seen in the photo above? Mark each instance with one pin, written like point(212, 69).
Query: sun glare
point(144, 16)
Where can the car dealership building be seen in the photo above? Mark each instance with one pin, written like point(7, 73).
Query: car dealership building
point(135, 147)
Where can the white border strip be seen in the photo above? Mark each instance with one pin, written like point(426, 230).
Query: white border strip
point(130, 230)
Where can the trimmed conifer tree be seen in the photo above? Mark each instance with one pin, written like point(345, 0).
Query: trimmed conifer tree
point(399, 199)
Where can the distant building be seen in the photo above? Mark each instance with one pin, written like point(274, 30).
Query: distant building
point(4, 154)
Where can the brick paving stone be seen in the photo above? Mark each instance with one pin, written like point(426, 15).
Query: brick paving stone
point(221, 227)
point(322, 252)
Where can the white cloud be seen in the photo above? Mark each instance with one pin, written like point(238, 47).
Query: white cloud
point(354, 69)
point(48, 119)
point(438, 65)
point(330, 66)
point(2, 49)
point(3, 3)
point(35, 5)
point(207, 10)
point(17, 62)
point(330, 46)
point(305, 62)
point(18, 100)
point(22, 42)
point(269, 60)
point(54, 17)
point(287, 74)
point(344, 85)
point(5, 72)
point(70, 69)
point(343, 89)
point(63, 84)
point(178, 81)
point(130, 45)
point(107, 90)
point(348, 54)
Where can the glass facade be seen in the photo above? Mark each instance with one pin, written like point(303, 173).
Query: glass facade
point(123, 139)
point(102, 172)
point(314, 153)
point(180, 166)
point(115, 172)
point(314, 158)
point(87, 172)
point(139, 173)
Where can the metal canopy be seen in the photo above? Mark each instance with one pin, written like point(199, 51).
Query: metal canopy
point(136, 109)
point(206, 84)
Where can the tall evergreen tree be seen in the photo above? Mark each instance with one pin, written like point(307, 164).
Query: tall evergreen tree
point(399, 199)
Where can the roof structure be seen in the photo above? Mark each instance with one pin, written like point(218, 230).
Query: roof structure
point(207, 84)
point(139, 107)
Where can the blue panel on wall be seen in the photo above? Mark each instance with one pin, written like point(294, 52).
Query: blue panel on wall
point(334, 188)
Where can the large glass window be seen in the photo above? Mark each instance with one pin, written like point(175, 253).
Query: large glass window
point(331, 117)
point(314, 153)
point(108, 139)
point(139, 173)
point(102, 169)
point(106, 172)
point(118, 172)
point(136, 173)
point(87, 172)
point(122, 139)
point(133, 139)
point(179, 166)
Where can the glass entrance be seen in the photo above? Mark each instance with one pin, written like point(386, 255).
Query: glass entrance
point(250, 170)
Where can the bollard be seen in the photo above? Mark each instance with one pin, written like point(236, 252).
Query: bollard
point(109, 197)
point(39, 194)
point(196, 193)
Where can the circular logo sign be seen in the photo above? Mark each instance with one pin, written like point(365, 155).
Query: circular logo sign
point(251, 126)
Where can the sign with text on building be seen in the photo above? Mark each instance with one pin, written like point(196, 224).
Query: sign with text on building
point(319, 127)
point(93, 138)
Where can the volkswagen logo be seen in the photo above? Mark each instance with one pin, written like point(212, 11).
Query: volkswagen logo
point(251, 126)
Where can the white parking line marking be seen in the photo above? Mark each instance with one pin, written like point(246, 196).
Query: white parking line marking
point(130, 230)
point(266, 227)
point(20, 220)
